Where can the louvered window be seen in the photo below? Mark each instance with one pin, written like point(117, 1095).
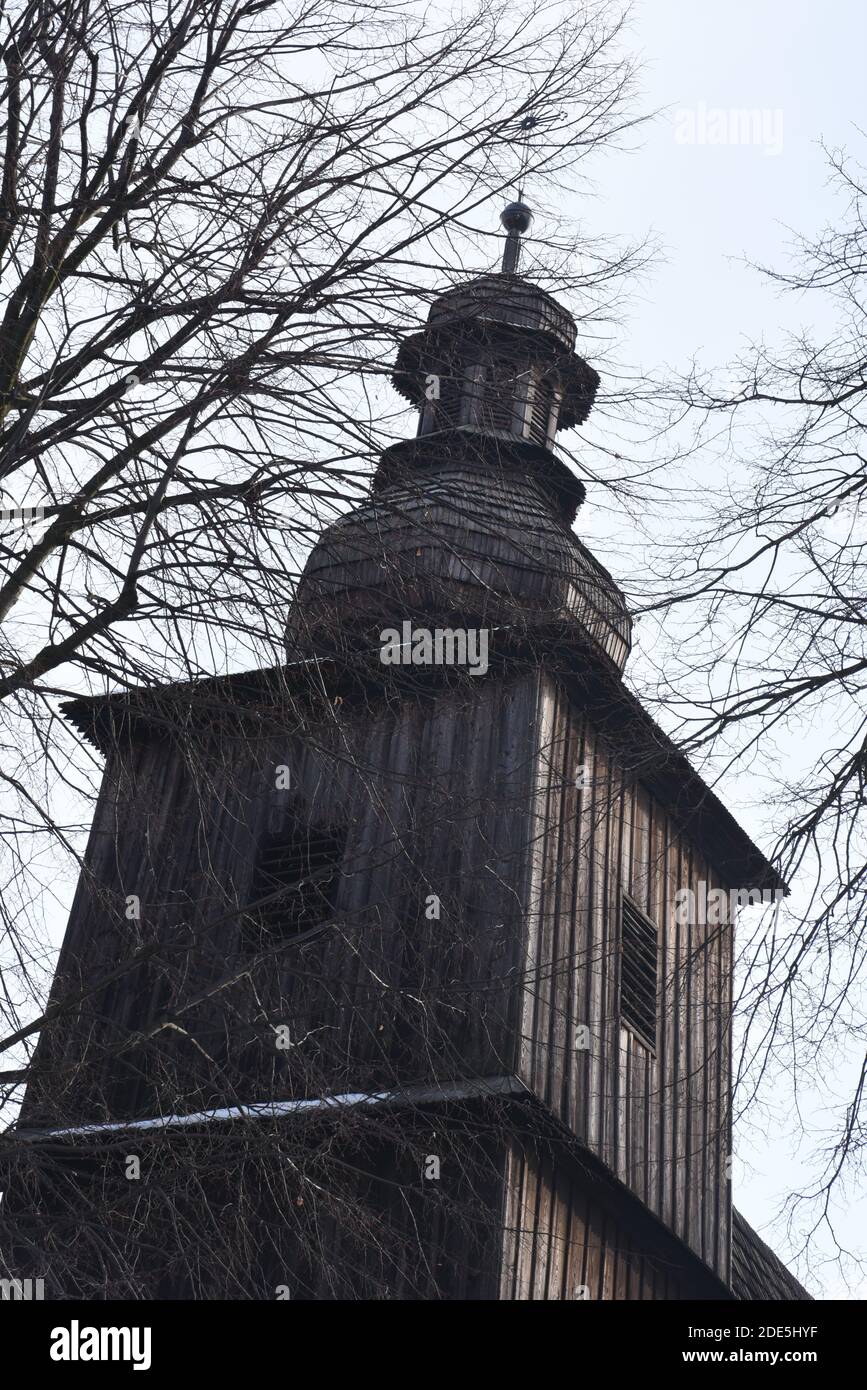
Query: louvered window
point(638, 970)
point(503, 396)
point(443, 411)
point(447, 409)
point(540, 411)
point(294, 883)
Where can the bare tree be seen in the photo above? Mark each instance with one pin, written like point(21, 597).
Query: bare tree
point(210, 223)
point(771, 596)
point(216, 219)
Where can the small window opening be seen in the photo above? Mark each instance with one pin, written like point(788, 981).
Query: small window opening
point(638, 972)
point(295, 882)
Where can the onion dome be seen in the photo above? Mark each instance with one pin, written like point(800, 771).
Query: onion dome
point(470, 522)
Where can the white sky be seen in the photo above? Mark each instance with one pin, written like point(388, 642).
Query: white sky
point(712, 206)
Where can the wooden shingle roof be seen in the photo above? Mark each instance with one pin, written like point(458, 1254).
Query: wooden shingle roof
point(757, 1273)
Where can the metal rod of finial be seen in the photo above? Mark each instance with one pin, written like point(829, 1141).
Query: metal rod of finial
point(516, 218)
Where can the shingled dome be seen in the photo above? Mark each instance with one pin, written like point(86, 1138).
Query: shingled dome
point(472, 519)
point(489, 545)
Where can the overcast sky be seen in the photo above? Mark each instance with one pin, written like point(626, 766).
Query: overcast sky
point(712, 205)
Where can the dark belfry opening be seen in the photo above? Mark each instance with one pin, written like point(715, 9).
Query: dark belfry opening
point(504, 396)
point(295, 882)
point(446, 404)
point(497, 393)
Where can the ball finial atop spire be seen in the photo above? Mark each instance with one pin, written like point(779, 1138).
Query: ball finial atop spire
point(516, 218)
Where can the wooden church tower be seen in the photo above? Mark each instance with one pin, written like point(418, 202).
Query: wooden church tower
point(375, 966)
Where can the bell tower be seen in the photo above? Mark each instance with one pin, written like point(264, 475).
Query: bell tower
point(414, 925)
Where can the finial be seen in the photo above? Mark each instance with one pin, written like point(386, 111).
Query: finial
point(516, 218)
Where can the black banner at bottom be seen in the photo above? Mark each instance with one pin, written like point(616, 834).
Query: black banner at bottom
point(82, 1339)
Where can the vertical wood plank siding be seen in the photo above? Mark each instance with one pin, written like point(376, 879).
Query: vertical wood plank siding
point(661, 1122)
point(559, 1243)
point(470, 794)
point(432, 794)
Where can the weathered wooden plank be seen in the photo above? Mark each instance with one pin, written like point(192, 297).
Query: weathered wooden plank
point(544, 1232)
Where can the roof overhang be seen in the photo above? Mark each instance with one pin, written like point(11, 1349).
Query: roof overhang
point(257, 700)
